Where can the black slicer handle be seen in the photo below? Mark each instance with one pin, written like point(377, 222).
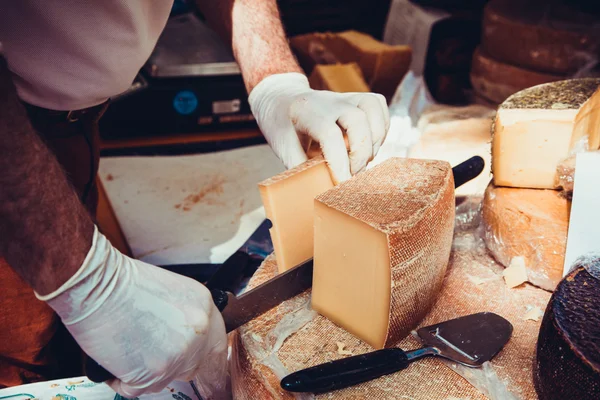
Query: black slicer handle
point(467, 170)
point(346, 372)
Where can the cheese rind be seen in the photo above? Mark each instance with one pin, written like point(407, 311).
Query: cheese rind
point(288, 199)
point(382, 243)
point(567, 364)
point(527, 223)
point(537, 128)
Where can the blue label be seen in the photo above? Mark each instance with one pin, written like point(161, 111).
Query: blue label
point(185, 102)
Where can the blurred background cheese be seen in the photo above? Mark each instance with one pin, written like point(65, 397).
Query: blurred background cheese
point(567, 363)
point(288, 199)
point(382, 242)
point(527, 223)
point(496, 80)
point(339, 78)
point(535, 129)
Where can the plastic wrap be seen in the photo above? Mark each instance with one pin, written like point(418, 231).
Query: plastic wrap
point(291, 337)
point(528, 223)
point(589, 261)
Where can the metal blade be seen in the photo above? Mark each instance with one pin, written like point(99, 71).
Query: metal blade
point(470, 340)
point(261, 299)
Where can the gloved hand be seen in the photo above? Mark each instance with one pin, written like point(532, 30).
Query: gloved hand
point(145, 325)
point(288, 111)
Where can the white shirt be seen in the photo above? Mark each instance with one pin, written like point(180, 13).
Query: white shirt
point(69, 54)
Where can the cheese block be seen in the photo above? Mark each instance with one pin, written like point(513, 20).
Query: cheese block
point(567, 364)
point(382, 65)
point(455, 134)
point(496, 80)
point(553, 37)
point(375, 235)
point(292, 337)
point(536, 128)
point(339, 78)
point(527, 223)
point(288, 199)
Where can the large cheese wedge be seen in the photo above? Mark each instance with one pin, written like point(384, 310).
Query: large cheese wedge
point(536, 128)
point(291, 337)
point(567, 364)
point(375, 236)
point(496, 80)
point(288, 199)
point(528, 223)
point(551, 36)
point(339, 78)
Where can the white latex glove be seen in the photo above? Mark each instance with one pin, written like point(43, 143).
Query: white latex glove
point(145, 325)
point(285, 108)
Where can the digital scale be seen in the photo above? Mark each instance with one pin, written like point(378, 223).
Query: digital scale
point(191, 83)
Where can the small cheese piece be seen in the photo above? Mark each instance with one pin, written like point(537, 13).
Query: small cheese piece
point(535, 129)
point(550, 36)
point(496, 80)
point(527, 223)
point(382, 243)
point(567, 364)
point(516, 273)
point(288, 199)
point(341, 78)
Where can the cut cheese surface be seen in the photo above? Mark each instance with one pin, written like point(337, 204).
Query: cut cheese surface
point(341, 78)
point(537, 128)
point(496, 80)
point(527, 226)
point(291, 337)
point(547, 36)
point(567, 364)
point(382, 242)
point(288, 199)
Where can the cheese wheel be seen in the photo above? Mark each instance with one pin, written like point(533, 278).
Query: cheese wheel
point(537, 128)
point(291, 337)
point(382, 243)
point(496, 80)
point(567, 364)
point(528, 223)
point(540, 35)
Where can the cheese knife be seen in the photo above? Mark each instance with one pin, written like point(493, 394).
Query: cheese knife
point(237, 311)
point(470, 340)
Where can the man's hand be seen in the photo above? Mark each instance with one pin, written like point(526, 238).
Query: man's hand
point(145, 325)
point(286, 109)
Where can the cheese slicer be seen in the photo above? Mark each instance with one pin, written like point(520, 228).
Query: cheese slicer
point(470, 340)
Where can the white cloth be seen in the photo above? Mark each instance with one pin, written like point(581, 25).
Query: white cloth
point(288, 110)
point(145, 325)
point(69, 55)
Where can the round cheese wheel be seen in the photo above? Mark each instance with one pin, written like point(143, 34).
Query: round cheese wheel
point(528, 223)
point(552, 37)
point(496, 80)
point(567, 364)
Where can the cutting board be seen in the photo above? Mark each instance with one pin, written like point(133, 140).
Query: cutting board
point(188, 209)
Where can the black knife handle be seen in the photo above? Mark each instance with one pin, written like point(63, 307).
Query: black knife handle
point(346, 372)
point(467, 170)
point(96, 372)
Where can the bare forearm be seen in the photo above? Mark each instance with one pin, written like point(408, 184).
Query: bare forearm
point(257, 38)
point(45, 233)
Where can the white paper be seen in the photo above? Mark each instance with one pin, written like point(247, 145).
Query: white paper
point(411, 24)
point(188, 209)
point(81, 388)
point(584, 222)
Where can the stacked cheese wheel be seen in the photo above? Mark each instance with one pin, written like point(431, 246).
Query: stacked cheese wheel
point(526, 43)
point(525, 224)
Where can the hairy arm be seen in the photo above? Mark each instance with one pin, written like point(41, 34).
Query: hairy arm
point(254, 30)
point(45, 233)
